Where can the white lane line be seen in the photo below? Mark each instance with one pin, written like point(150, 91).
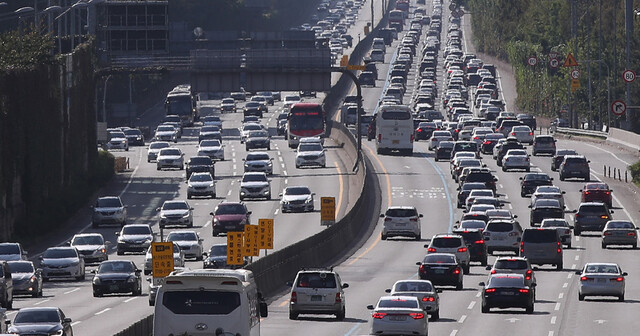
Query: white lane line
point(577, 258)
point(560, 296)
point(473, 303)
point(573, 266)
point(229, 193)
point(454, 332)
point(280, 158)
point(557, 307)
point(577, 238)
point(284, 172)
point(510, 206)
point(75, 322)
point(569, 275)
point(565, 285)
point(282, 165)
point(462, 318)
point(233, 160)
point(553, 319)
point(206, 224)
point(612, 154)
point(275, 213)
point(131, 298)
point(479, 294)
point(501, 186)
point(71, 291)
point(235, 166)
point(103, 311)
point(41, 302)
point(550, 333)
point(279, 153)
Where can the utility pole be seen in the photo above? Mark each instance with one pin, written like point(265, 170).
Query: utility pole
point(628, 17)
point(589, 72)
point(574, 27)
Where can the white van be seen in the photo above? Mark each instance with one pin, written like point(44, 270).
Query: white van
point(378, 43)
point(209, 302)
point(394, 129)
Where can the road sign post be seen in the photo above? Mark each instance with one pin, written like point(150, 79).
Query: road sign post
point(575, 84)
point(250, 244)
point(162, 259)
point(327, 211)
point(265, 233)
point(618, 107)
point(234, 248)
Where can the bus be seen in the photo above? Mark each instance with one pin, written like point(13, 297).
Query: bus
point(305, 120)
point(394, 129)
point(181, 101)
point(209, 301)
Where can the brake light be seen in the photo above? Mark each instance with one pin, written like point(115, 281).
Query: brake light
point(631, 234)
point(294, 297)
point(619, 279)
point(528, 275)
point(577, 215)
point(524, 290)
point(380, 137)
point(479, 241)
point(586, 193)
point(493, 272)
point(413, 219)
point(428, 299)
point(379, 315)
point(604, 217)
point(457, 130)
point(411, 138)
point(607, 233)
point(462, 249)
point(456, 271)
point(419, 130)
point(476, 138)
point(338, 298)
point(584, 278)
point(431, 249)
point(530, 133)
point(489, 290)
point(608, 193)
point(417, 316)
point(513, 133)
point(387, 219)
point(486, 143)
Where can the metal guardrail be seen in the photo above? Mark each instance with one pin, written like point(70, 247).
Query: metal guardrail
point(577, 131)
point(150, 62)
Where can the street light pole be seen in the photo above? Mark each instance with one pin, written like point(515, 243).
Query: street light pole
point(628, 16)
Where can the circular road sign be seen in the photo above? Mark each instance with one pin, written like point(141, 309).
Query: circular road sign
point(532, 61)
point(554, 63)
point(629, 76)
point(457, 13)
point(452, 7)
point(575, 73)
point(618, 107)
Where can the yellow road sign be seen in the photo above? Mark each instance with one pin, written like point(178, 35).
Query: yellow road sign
point(575, 84)
point(327, 210)
point(250, 247)
point(162, 259)
point(234, 248)
point(570, 61)
point(265, 233)
point(344, 61)
point(355, 67)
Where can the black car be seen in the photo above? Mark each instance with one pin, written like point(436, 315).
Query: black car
point(507, 291)
point(372, 67)
point(475, 244)
point(481, 175)
point(425, 130)
point(41, 321)
point(557, 159)
point(367, 78)
point(254, 108)
point(308, 93)
point(490, 141)
point(441, 269)
point(135, 137)
point(529, 182)
point(200, 164)
point(117, 276)
point(444, 150)
point(543, 209)
point(258, 139)
point(527, 119)
point(465, 189)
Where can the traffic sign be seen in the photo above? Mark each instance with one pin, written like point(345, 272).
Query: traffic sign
point(162, 259)
point(575, 84)
point(554, 63)
point(250, 244)
point(629, 76)
point(553, 54)
point(570, 61)
point(532, 61)
point(575, 73)
point(457, 13)
point(344, 61)
point(356, 67)
point(265, 233)
point(452, 6)
point(327, 211)
point(234, 248)
point(618, 107)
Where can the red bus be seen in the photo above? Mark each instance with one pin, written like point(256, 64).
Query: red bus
point(305, 120)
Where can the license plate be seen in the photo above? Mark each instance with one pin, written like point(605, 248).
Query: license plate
point(316, 297)
point(397, 318)
point(507, 293)
point(395, 142)
point(113, 287)
point(602, 280)
point(439, 271)
point(229, 227)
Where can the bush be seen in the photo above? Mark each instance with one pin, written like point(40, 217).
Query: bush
point(104, 168)
point(635, 173)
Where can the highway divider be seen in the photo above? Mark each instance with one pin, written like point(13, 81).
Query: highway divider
point(615, 136)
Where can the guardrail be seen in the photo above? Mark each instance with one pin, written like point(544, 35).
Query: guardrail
point(580, 132)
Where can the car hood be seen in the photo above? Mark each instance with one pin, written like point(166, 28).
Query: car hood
point(165, 133)
point(135, 237)
point(289, 198)
point(309, 153)
point(21, 276)
point(113, 276)
point(230, 217)
point(174, 212)
point(88, 247)
point(118, 139)
point(35, 328)
point(253, 184)
point(185, 242)
point(107, 209)
point(60, 261)
point(201, 184)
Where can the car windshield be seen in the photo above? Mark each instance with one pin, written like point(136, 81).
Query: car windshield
point(548, 190)
point(133, 131)
point(251, 127)
point(37, 316)
point(258, 134)
point(254, 178)
point(60, 253)
point(446, 242)
point(539, 235)
point(500, 227)
point(170, 151)
point(218, 250)
point(159, 145)
point(535, 177)
point(309, 147)
point(136, 230)
point(563, 152)
point(317, 280)
point(510, 264)
point(116, 134)
point(297, 191)
point(200, 161)
point(210, 143)
point(398, 303)
point(256, 157)
point(200, 178)
point(400, 212)
point(209, 129)
point(550, 222)
point(472, 224)
point(592, 209)
point(21, 267)
point(87, 240)
point(108, 203)
point(620, 225)
point(229, 209)
point(548, 203)
point(115, 267)
point(175, 206)
point(506, 281)
point(166, 128)
point(597, 186)
point(595, 268)
point(413, 286)
point(182, 236)
point(9, 249)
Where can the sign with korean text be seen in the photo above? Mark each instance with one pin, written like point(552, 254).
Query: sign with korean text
point(250, 247)
point(265, 233)
point(327, 211)
point(234, 248)
point(161, 259)
point(575, 84)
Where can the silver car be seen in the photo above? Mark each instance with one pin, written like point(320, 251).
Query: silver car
point(170, 158)
point(175, 213)
point(298, 198)
point(424, 290)
point(201, 184)
point(317, 292)
point(601, 279)
point(62, 262)
point(398, 315)
point(189, 242)
point(108, 210)
point(310, 154)
point(258, 162)
point(548, 192)
point(154, 149)
point(619, 232)
point(166, 133)
point(523, 134)
point(91, 246)
point(255, 185)
point(211, 148)
point(516, 159)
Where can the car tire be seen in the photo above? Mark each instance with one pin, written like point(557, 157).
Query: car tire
point(490, 251)
point(576, 232)
point(383, 236)
point(341, 314)
point(435, 316)
point(559, 266)
point(504, 169)
point(528, 170)
point(418, 236)
point(137, 291)
point(485, 309)
point(484, 261)
point(620, 298)
point(459, 285)
point(529, 309)
point(189, 196)
point(561, 177)
point(293, 316)
point(466, 269)
point(603, 245)
point(213, 195)
point(119, 252)
point(569, 245)
point(97, 294)
point(587, 179)
point(580, 297)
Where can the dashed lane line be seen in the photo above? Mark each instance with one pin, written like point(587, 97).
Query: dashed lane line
point(103, 311)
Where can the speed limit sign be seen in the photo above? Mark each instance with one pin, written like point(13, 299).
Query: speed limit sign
point(629, 76)
point(532, 61)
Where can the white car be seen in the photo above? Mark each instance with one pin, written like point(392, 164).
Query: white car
point(289, 100)
point(398, 315)
point(437, 137)
point(248, 127)
point(91, 246)
point(310, 154)
point(178, 259)
point(212, 120)
point(377, 55)
point(516, 159)
point(108, 210)
point(201, 184)
point(175, 212)
point(401, 221)
point(424, 290)
point(118, 140)
point(524, 134)
point(189, 242)
point(451, 243)
point(62, 262)
point(171, 157)
point(255, 185)
point(228, 105)
point(211, 148)
point(548, 192)
point(258, 162)
point(166, 133)
point(562, 226)
point(297, 198)
point(601, 279)
point(154, 149)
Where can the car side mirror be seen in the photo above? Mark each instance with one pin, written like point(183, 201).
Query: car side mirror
point(481, 283)
point(533, 284)
point(67, 243)
point(612, 211)
point(529, 206)
point(117, 233)
point(66, 320)
point(289, 283)
point(211, 213)
point(381, 215)
point(138, 272)
point(624, 274)
point(191, 209)
point(580, 190)
point(388, 290)
point(426, 245)
point(421, 215)
point(578, 272)
point(248, 212)
point(157, 209)
point(370, 307)
point(515, 216)
point(345, 285)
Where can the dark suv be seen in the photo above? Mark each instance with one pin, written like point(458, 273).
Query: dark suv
point(543, 209)
point(542, 246)
point(481, 175)
point(559, 157)
point(575, 166)
point(530, 181)
point(511, 143)
point(475, 244)
point(230, 216)
point(591, 216)
point(200, 164)
point(465, 189)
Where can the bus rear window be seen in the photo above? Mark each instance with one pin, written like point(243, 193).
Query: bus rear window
point(396, 115)
point(201, 302)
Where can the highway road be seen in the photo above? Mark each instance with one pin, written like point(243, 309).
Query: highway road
point(421, 182)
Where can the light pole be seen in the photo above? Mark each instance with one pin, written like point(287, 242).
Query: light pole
point(21, 12)
point(608, 90)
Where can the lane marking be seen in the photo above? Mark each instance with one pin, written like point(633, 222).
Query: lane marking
point(569, 275)
point(473, 303)
point(462, 318)
point(557, 307)
point(479, 294)
point(75, 322)
point(206, 224)
point(275, 213)
point(560, 296)
point(386, 174)
point(454, 332)
point(573, 266)
point(71, 291)
point(103, 311)
point(553, 319)
point(41, 302)
point(131, 299)
point(446, 190)
point(340, 187)
point(565, 285)
point(577, 258)
point(550, 333)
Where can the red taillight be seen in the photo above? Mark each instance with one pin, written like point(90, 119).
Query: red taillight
point(380, 137)
point(584, 278)
point(523, 290)
point(431, 249)
point(577, 215)
point(421, 269)
point(489, 290)
point(294, 297)
point(479, 241)
point(379, 315)
point(457, 130)
point(419, 130)
point(608, 193)
point(456, 271)
point(513, 133)
point(413, 219)
point(486, 143)
point(586, 193)
point(604, 217)
point(428, 299)
point(559, 250)
point(493, 272)
point(476, 138)
point(528, 275)
point(619, 279)
point(417, 316)
point(530, 133)
point(607, 233)
point(411, 138)
point(631, 234)
point(338, 298)
point(462, 249)
point(387, 219)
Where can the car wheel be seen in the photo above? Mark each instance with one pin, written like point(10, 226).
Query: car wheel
point(580, 297)
point(559, 267)
point(466, 269)
point(213, 195)
point(529, 309)
point(483, 262)
point(459, 286)
point(383, 236)
point(293, 316)
point(340, 315)
point(504, 169)
point(522, 194)
point(528, 170)
point(490, 251)
point(97, 294)
point(569, 245)
point(576, 232)
point(418, 236)
point(137, 291)
point(435, 316)
point(561, 177)
point(587, 179)
point(603, 245)
point(620, 298)
point(215, 234)
point(120, 252)
point(485, 308)
point(188, 196)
